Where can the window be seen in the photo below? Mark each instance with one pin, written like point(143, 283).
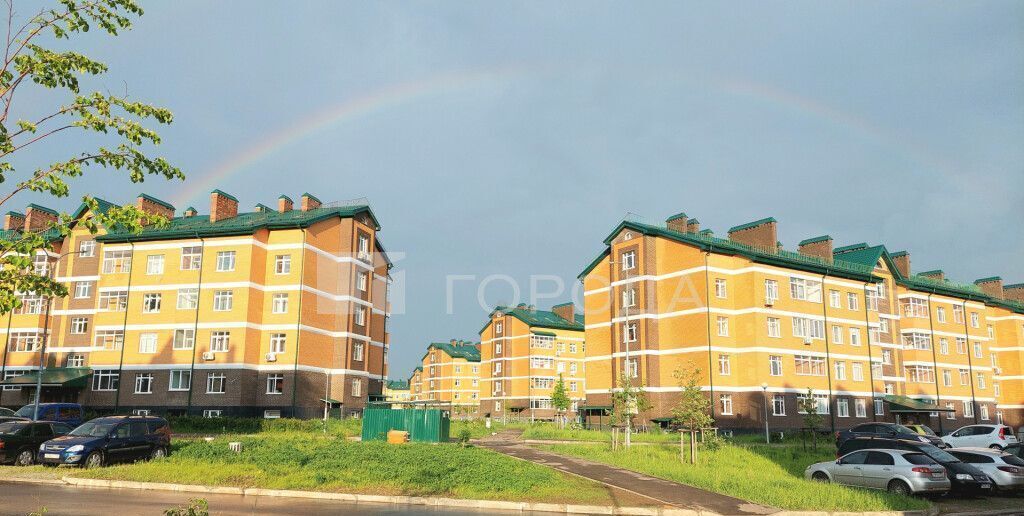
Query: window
point(842, 407)
point(633, 367)
point(277, 342)
point(879, 406)
point(958, 314)
point(628, 260)
point(947, 378)
point(883, 326)
point(974, 320)
point(629, 298)
point(774, 327)
point(188, 298)
point(184, 339)
point(357, 388)
point(631, 332)
point(840, 368)
point(940, 314)
point(920, 374)
point(114, 300)
point(76, 360)
point(79, 325)
point(497, 348)
point(361, 315)
point(573, 347)
point(860, 408)
point(212, 413)
point(723, 326)
point(23, 341)
point(497, 367)
point(216, 383)
point(837, 334)
point(981, 380)
point(151, 303)
point(225, 261)
point(915, 307)
point(820, 399)
point(968, 409)
point(720, 288)
point(858, 371)
point(961, 346)
point(572, 369)
point(147, 343)
point(275, 384)
point(944, 346)
point(991, 331)
point(83, 289)
point(855, 336)
point(771, 291)
point(223, 300)
point(180, 381)
point(191, 258)
point(363, 248)
point(808, 328)
point(852, 301)
point(220, 340)
point(778, 405)
point(726, 402)
point(965, 377)
point(775, 365)
point(977, 350)
point(541, 362)
point(498, 327)
point(271, 414)
point(805, 289)
point(30, 304)
point(917, 340)
point(542, 383)
point(357, 351)
point(144, 383)
point(362, 280)
point(117, 262)
point(886, 357)
point(280, 303)
point(9, 375)
point(983, 411)
point(283, 264)
point(833, 299)
point(87, 248)
point(155, 264)
point(724, 365)
point(109, 339)
point(995, 389)
point(105, 380)
point(809, 366)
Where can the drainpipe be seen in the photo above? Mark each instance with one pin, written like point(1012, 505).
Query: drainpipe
point(195, 325)
point(7, 342)
point(871, 364)
point(124, 328)
point(970, 365)
point(828, 356)
point(711, 363)
point(935, 362)
point(298, 326)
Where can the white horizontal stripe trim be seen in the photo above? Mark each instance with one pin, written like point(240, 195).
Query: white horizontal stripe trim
point(1016, 377)
point(943, 333)
point(1000, 405)
point(738, 351)
point(500, 378)
point(572, 395)
point(938, 297)
point(724, 311)
point(80, 311)
point(67, 279)
point(945, 365)
point(238, 365)
point(227, 325)
point(780, 274)
point(75, 349)
point(1006, 317)
point(238, 284)
point(1011, 348)
point(498, 339)
point(213, 242)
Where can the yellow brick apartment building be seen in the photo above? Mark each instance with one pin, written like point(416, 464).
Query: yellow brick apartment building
point(263, 313)
point(523, 352)
point(449, 375)
point(873, 340)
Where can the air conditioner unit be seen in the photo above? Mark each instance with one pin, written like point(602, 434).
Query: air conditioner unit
point(208, 355)
point(271, 357)
point(807, 341)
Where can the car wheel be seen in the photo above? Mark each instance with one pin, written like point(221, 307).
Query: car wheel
point(899, 487)
point(820, 477)
point(94, 460)
point(158, 453)
point(24, 458)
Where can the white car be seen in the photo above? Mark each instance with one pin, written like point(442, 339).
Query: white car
point(981, 436)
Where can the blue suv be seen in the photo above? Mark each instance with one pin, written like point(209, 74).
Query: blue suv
point(67, 413)
point(109, 440)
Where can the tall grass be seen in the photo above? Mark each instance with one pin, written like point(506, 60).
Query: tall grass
point(552, 432)
point(239, 425)
point(767, 475)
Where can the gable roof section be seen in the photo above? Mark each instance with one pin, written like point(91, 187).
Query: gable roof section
point(242, 224)
point(398, 385)
point(539, 318)
point(467, 351)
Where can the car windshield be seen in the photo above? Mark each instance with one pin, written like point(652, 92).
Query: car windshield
point(926, 430)
point(1013, 460)
point(26, 411)
point(918, 458)
point(6, 412)
point(937, 454)
point(93, 429)
point(11, 428)
point(904, 430)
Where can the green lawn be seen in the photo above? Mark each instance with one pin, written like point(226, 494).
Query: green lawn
point(311, 461)
point(770, 475)
point(549, 431)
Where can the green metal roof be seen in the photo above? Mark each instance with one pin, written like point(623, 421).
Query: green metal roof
point(933, 272)
point(16, 214)
point(539, 318)
point(988, 279)
point(897, 254)
point(398, 385)
point(225, 194)
point(42, 209)
point(545, 333)
point(706, 232)
point(851, 247)
point(692, 221)
point(815, 240)
point(150, 198)
point(55, 377)
point(311, 196)
point(677, 216)
point(905, 404)
point(263, 207)
point(285, 197)
point(754, 224)
point(1014, 285)
point(467, 351)
point(242, 224)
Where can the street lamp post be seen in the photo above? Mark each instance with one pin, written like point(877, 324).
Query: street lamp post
point(764, 391)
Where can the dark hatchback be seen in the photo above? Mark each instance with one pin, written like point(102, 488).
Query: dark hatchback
point(963, 477)
point(890, 430)
point(19, 439)
point(109, 440)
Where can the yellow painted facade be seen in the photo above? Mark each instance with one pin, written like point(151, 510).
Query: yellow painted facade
point(450, 375)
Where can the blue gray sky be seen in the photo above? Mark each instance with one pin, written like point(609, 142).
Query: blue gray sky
point(510, 138)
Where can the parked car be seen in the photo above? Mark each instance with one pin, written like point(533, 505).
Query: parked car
point(922, 430)
point(896, 471)
point(964, 478)
point(109, 440)
point(7, 414)
point(981, 436)
point(892, 430)
point(1015, 449)
point(70, 413)
point(1006, 470)
point(19, 439)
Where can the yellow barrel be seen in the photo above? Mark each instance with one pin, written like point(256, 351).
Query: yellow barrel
point(398, 437)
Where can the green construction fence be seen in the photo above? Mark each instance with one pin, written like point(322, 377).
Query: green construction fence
point(425, 425)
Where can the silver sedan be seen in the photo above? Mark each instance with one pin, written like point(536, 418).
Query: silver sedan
point(896, 471)
point(1005, 469)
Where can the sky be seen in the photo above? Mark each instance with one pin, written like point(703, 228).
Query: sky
point(499, 141)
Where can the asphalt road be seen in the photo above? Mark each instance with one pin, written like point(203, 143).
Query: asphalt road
point(23, 499)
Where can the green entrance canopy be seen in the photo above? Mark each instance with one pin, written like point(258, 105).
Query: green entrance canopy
point(905, 404)
point(77, 377)
point(544, 333)
point(332, 401)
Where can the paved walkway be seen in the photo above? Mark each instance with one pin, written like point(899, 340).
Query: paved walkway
point(663, 491)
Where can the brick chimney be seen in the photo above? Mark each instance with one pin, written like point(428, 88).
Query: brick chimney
point(223, 206)
point(14, 220)
point(992, 286)
point(309, 202)
point(1014, 292)
point(262, 208)
point(38, 218)
point(760, 233)
point(190, 212)
point(566, 311)
point(154, 206)
point(693, 226)
point(677, 222)
point(284, 203)
point(936, 274)
point(820, 247)
point(901, 259)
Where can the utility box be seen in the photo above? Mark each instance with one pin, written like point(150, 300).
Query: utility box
point(425, 425)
